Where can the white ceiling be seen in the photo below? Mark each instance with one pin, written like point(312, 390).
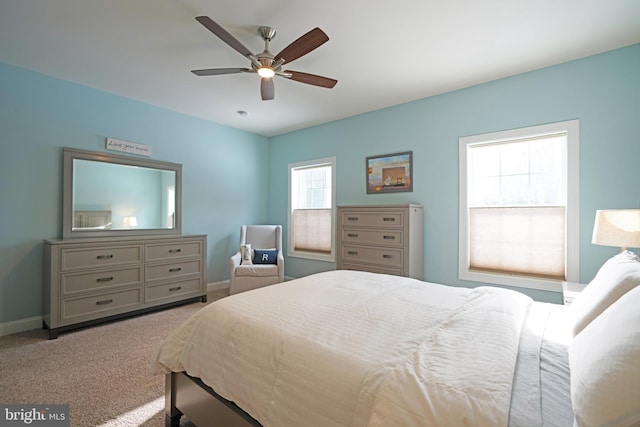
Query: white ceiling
point(382, 53)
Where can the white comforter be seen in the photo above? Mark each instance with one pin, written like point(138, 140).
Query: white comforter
point(347, 348)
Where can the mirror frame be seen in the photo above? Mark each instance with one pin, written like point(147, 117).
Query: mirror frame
point(71, 154)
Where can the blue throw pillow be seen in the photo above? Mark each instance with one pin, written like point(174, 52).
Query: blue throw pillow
point(265, 256)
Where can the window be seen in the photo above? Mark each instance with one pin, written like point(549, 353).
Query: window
point(519, 206)
point(312, 209)
point(171, 206)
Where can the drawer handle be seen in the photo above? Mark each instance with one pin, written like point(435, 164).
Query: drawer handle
point(175, 270)
point(105, 256)
point(389, 218)
point(177, 288)
point(387, 256)
point(352, 234)
point(174, 251)
point(104, 302)
point(389, 237)
point(352, 218)
point(104, 279)
point(352, 252)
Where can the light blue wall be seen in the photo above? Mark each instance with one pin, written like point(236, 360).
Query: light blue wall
point(39, 115)
point(602, 91)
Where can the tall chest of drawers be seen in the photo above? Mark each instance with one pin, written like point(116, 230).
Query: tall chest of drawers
point(87, 281)
point(382, 239)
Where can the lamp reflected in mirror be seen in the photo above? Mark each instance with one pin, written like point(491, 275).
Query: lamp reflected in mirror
point(130, 222)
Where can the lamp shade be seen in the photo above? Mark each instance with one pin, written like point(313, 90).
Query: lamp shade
point(619, 227)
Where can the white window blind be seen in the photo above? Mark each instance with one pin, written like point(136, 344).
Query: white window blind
point(312, 230)
point(520, 240)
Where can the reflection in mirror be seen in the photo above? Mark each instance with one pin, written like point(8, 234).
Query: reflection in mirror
point(122, 197)
point(107, 194)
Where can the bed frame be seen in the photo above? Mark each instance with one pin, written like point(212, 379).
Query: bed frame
point(189, 396)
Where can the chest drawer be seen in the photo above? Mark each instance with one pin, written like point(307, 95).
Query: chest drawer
point(168, 251)
point(372, 237)
point(99, 305)
point(171, 270)
point(388, 257)
point(172, 290)
point(372, 219)
point(96, 257)
point(74, 283)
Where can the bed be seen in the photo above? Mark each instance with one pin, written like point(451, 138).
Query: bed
point(348, 348)
point(91, 220)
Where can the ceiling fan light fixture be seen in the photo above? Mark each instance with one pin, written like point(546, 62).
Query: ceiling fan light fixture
point(266, 72)
point(265, 64)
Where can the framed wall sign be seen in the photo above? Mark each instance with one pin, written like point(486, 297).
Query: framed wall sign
point(128, 147)
point(390, 173)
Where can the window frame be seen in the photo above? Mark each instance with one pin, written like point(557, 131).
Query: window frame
point(571, 127)
point(291, 252)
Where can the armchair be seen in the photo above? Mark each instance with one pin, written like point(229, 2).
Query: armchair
point(245, 277)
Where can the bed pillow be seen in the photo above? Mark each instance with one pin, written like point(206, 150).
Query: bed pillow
point(616, 277)
point(605, 370)
point(245, 254)
point(265, 256)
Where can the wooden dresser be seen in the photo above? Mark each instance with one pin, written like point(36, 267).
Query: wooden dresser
point(88, 281)
point(382, 239)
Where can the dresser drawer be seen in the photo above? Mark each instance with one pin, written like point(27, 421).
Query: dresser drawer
point(387, 257)
point(372, 219)
point(74, 283)
point(172, 290)
point(168, 251)
point(97, 306)
point(95, 257)
point(172, 270)
point(373, 269)
point(372, 237)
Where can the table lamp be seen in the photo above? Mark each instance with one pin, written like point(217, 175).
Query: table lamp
point(617, 227)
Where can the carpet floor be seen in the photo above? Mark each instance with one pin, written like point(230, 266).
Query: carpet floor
point(102, 372)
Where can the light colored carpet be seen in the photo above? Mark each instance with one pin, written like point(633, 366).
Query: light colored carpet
point(102, 372)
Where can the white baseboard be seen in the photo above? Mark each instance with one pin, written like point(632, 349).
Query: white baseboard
point(216, 286)
point(22, 325)
point(224, 284)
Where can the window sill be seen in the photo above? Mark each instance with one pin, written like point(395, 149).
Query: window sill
point(312, 256)
point(512, 280)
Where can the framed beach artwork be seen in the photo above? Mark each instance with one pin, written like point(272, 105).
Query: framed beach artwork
point(390, 173)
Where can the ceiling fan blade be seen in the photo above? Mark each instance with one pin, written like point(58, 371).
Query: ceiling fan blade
point(267, 90)
point(311, 79)
point(220, 71)
point(303, 45)
point(225, 36)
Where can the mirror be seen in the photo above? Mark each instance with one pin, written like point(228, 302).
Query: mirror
point(106, 195)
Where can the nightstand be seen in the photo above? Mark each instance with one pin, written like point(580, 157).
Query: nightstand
point(570, 290)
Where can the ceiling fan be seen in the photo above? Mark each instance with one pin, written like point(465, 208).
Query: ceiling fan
point(267, 65)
